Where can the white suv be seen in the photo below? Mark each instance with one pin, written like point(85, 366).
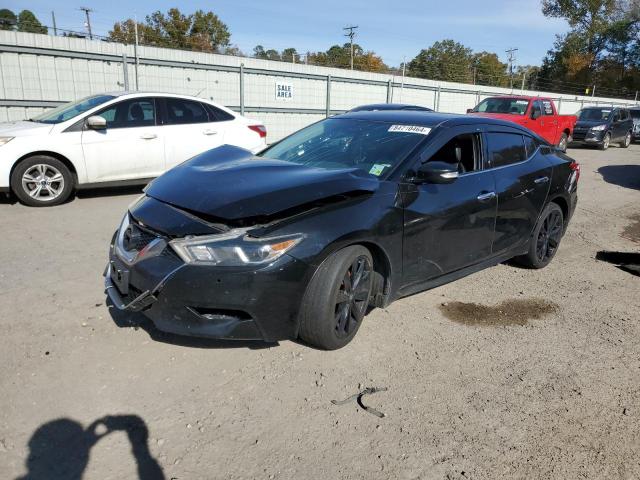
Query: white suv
point(111, 139)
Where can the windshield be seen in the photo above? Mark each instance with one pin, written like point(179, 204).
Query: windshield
point(73, 109)
point(594, 114)
point(514, 106)
point(635, 114)
point(375, 147)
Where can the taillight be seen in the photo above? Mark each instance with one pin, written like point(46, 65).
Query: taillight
point(575, 166)
point(260, 130)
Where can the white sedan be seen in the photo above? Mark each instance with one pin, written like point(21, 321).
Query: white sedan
point(115, 138)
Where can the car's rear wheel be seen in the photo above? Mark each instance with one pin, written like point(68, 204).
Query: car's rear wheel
point(546, 238)
point(41, 181)
point(337, 299)
point(627, 140)
point(563, 142)
point(605, 142)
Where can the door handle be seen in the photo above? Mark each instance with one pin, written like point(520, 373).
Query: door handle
point(148, 136)
point(483, 197)
point(209, 132)
point(541, 180)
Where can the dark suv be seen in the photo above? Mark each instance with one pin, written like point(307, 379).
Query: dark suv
point(635, 116)
point(602, 126)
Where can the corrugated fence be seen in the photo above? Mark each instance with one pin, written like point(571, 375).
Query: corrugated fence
point(42, 71)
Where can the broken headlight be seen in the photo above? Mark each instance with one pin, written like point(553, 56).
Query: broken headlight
point(233, 249)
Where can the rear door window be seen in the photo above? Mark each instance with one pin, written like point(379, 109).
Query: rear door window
point(181, 112)
point(506, 148)
point(547, 108)
point(530, 145)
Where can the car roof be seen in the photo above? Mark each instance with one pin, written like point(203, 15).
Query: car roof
point(426, 119)
point(390, 106)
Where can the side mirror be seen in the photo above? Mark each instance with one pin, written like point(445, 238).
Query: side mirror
point(436, 172)
point(96, 122)
point(469, 110)
point(535, 114)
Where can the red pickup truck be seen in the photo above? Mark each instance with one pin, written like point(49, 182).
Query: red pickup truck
point(538, 114)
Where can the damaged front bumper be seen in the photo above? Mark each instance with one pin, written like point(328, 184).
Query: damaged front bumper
point(208, 301)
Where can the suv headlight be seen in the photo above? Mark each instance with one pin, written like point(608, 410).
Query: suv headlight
point(233, 249)
point(4, 140)
point(599, 128)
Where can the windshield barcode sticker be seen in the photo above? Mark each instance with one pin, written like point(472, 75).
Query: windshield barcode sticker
point(410, 129)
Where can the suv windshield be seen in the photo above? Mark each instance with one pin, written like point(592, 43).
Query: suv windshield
point(597, 114)
point(337, 143)
point(73, 109)
point(515, 106)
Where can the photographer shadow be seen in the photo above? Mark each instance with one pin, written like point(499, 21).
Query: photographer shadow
point(60, 449)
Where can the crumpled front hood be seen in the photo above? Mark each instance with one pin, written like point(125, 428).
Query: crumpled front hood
point(23, 128)
point(229, 183)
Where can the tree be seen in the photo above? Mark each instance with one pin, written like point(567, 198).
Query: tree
point(208, 31)
point(8, 19)
point(339, 56)
point(599, 48)
point(201, 31)
point(27, 22)
point(445, 60)
point(489, 70)
point(289, 55)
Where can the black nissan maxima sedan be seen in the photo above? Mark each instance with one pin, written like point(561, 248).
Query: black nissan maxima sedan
point(348, 214)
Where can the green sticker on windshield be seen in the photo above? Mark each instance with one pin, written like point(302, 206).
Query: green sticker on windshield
point(378, 168)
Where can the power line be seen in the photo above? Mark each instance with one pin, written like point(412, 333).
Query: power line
point(351, 34)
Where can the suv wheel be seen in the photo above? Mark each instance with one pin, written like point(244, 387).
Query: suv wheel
point(627, 140)
point(605, 142)
point(41, 181)
point(337, 299)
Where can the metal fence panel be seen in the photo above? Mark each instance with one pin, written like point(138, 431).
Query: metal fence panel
point(39, 71)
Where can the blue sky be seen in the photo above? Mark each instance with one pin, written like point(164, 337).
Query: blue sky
point(392, 29)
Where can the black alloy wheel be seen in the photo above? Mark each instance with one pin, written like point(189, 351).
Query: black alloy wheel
point(545, 239)
point(352, 299)
point(549, 236)
point(337, 298)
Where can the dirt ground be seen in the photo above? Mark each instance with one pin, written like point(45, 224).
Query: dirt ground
point(508, 373)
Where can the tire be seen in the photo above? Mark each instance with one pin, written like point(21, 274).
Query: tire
point(563, 142)
point(605, 142)
point(331, 312)
point(627, 141)
point(52, 181)
point(545, 239)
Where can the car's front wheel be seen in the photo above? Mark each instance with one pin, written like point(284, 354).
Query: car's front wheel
point(41, 181)
point(546, 238)
point(605, 142)
point(337, 299)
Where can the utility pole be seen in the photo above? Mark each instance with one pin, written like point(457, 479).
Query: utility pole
point(524, 76)
point(511, 52)
point(86, 12)
point(135, 50)
point(404, 65)
point(593, 92)
point(53, 19)
point(351, 34)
